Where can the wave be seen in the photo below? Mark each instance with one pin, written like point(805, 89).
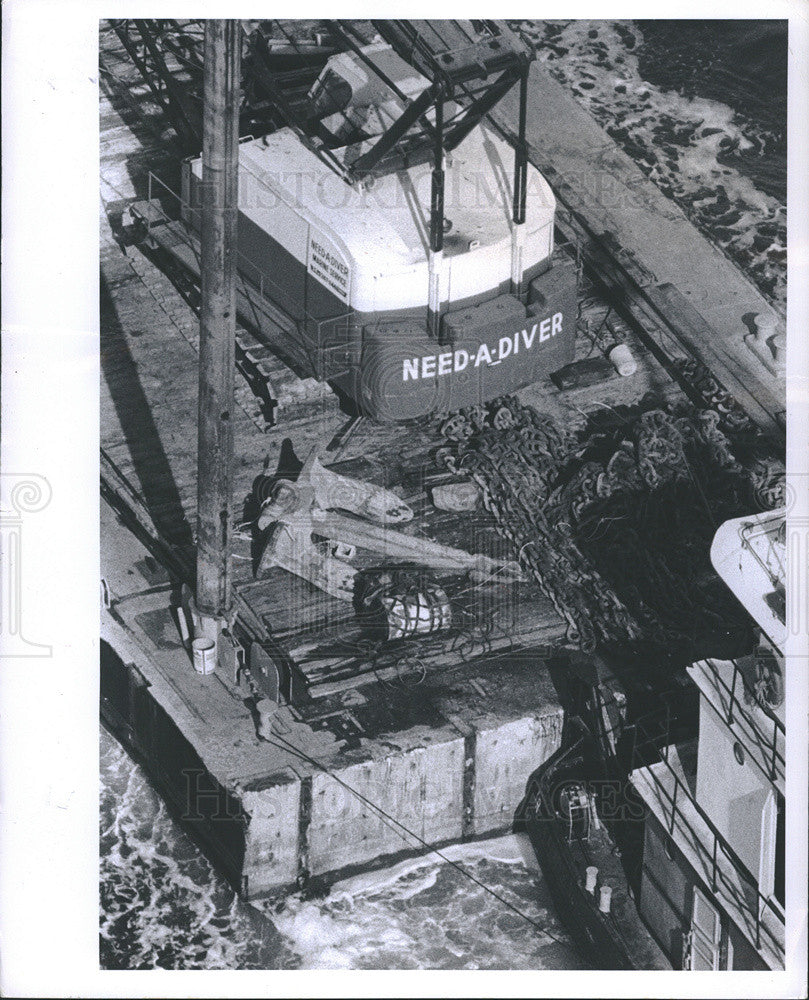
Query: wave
point(425, 913)
point(716, 162)
point(163, 905)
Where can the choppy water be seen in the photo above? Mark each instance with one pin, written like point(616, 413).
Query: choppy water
point(700, 107)
point(165, 906)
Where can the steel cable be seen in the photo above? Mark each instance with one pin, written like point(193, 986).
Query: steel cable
point(393, 823)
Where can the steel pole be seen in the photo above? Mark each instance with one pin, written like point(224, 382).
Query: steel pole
point(219, 200)
point(435, 255)
point(520, 191)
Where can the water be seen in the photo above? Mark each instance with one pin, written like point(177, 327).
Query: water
point(165, 906)
point(700, 107)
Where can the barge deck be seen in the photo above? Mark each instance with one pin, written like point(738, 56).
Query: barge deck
point(372, 758)
point(669, 272)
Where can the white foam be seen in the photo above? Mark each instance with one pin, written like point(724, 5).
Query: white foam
point(165, 905)
point(669, 128)
point(423, 913)
point(161, 897)
point(510, 849)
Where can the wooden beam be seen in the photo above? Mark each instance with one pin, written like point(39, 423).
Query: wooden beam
point(219, 197)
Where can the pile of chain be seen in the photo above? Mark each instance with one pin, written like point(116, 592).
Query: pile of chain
point(614, 523)
point(515, 456)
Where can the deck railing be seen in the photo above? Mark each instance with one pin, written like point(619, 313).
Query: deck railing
point(708, 842)
point(772, 765)
point(761, 528)
point(325, 329)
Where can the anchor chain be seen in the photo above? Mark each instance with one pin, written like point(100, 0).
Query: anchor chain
point(514, 455)
point(637, 501)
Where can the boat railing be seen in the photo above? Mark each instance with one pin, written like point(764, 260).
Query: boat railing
point(708, 842)
point(325, 329)
point(772, 763)
point(769, 528)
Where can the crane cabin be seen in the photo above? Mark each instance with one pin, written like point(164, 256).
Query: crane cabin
point(410, 244)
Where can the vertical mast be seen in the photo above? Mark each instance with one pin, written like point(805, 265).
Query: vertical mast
point(219, 198)
point(520, 190)
point(435, 256)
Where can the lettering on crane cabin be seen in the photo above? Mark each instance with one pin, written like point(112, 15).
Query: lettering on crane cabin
point(328, 265)
point(436, 365)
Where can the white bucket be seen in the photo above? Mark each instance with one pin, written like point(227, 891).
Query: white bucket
point(605, 899)
point(592, 874)
point(621, 358)
point(204, 651)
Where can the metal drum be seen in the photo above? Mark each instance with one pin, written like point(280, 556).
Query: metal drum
point(416, 613)
point(401, 602)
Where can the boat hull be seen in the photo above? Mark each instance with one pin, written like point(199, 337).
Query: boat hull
point(616, 940)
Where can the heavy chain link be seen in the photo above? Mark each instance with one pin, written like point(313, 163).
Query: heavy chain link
point(562, 502)
point(514, 455)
